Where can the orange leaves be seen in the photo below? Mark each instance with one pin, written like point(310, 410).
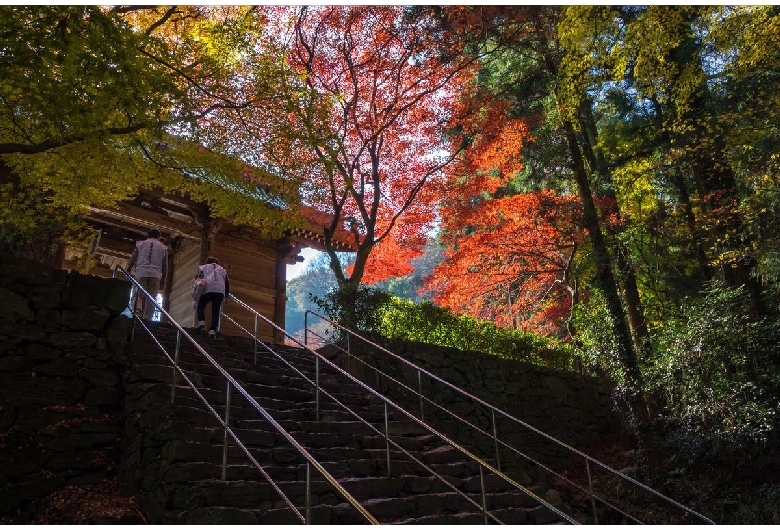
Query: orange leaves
point(390, 259)
point(380, 148)
point(501, 151)
point(511, 262)
point(496, 145)
point(492, 158)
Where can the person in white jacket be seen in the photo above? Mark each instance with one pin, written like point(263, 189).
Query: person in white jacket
point(150, 259)
point(216, 291)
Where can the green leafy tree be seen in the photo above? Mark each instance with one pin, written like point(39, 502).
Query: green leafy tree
point(684, 135)
point(99, 103)
point(535, 91)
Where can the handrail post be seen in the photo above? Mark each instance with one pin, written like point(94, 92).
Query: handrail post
point(308, 492)
point(349, 355)
point(306, 328)
point(317, 391)
point(255, 342)
point(419, 386)
point(133, 301)
point(176, 364)
point(225, 439)
point(387, 439)
point(495, 439)
point(482, 485)
point(592, 498)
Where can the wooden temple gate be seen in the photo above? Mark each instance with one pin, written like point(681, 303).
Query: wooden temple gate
point(256, 266)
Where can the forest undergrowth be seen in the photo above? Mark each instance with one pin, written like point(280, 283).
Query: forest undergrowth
point(734, 489)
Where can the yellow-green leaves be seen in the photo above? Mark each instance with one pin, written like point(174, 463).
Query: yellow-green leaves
point(99, 103)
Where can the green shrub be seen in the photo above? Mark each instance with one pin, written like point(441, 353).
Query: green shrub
point(356, 307)
point(427, 323)
point(716, 371)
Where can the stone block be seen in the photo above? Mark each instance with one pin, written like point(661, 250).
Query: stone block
point(104, 378)
point(219, 515)
point(46, 296)
point(116, 334)
point(85, 290)
point(9, 346)
point(39, 353)
point(22, 330)
point(85, 318)
point(71, 339)
point(59, 368)
point(16, 363)
point(557, 385)
point(39, 390)
point(15, 307)
point(103, 397)
point(49, 318)
point(92, 362)
point(80, 440)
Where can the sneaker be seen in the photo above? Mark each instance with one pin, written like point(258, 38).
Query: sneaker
point(212, 334)
point(201, 324)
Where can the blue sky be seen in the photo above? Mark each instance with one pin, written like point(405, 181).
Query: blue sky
point(293, 271)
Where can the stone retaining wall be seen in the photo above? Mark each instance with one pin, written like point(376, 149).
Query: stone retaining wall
point(61, 365)
point(63, 357)
point(575, 409)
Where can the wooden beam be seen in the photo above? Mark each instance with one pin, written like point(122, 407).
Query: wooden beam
point(145, 219)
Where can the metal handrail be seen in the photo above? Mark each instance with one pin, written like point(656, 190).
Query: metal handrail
point(358, 417)
point(495, 410)
point(494, 436)
point(231, 382)
point(387, 402)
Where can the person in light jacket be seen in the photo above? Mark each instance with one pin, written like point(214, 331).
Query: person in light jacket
point(216, 291)
point(150, 259)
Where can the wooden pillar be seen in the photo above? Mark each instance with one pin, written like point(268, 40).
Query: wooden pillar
point(210, 230)
point(169, 275)
point(288, 253)
point(280, 302)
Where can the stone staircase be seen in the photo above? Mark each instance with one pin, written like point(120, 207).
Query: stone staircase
point(173, 452)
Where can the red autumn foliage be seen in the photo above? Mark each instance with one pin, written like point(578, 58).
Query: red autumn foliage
point(511, 266)
point(390, 97)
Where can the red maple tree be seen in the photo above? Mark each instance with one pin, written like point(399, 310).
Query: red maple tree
point(511, 258)
point(376, 144)
point(515, 264)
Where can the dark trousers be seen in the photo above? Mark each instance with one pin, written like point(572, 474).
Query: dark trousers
point(216, 307)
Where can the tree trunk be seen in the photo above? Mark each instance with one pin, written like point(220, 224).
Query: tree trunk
point(605, 279)
point(625, 269)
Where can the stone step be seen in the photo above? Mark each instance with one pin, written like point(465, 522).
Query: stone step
point(152, 365)
point(237, 347)
point(386, 500)
point(186, 449)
